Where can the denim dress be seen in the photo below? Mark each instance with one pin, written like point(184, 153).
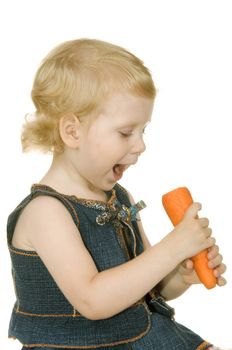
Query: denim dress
point(42, 318)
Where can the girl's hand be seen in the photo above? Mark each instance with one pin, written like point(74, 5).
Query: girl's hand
point(215, 263)
point(191, 236)
point(189, 275)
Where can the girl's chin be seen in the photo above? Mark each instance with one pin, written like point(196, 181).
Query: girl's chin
point(106, 185)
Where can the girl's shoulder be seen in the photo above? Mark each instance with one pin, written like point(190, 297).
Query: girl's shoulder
point(35, 217)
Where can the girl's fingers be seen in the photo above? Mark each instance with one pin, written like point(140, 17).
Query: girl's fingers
point(215, 262)
point(213, 252)
point(187, 266)
point(204, 222)
point(208, 231)
point(221, 281)
point(220, 270)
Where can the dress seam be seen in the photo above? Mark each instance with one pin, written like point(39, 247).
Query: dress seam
point(126, 341)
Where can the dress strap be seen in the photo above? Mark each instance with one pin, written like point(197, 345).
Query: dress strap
point(38, 190)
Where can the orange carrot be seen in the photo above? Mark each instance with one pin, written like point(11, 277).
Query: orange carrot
point(176, 203)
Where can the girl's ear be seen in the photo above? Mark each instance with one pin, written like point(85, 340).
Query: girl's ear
point(69, 128)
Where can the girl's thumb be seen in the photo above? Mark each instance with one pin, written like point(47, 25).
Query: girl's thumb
point(192, 211)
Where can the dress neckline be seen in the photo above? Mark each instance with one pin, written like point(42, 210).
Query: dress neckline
point(110, 210)
point(111, 197)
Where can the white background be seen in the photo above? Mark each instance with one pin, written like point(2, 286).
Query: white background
point(187, 46)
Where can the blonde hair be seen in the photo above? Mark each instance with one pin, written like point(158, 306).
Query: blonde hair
point(76, 77)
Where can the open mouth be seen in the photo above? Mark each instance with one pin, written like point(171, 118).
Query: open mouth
point(118, 170)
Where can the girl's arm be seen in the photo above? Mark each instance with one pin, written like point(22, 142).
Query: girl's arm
point(183, 275)
point(172, 285)
point(50, 230)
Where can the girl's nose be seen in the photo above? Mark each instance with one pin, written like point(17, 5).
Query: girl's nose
point(139, 146)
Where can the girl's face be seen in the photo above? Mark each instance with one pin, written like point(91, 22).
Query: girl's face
point(112, 141)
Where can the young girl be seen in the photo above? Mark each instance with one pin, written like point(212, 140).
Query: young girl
point(85, 274)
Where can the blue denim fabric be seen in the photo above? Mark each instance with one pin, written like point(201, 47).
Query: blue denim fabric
point(117, 347)
point(42, 315)
point(43, 318)
point(166, 334)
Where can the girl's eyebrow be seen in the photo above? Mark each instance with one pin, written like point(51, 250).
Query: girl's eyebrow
point(133, 125)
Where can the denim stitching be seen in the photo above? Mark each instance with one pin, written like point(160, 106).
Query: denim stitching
point(203, 346)
point(129, 340)
point(34, 254)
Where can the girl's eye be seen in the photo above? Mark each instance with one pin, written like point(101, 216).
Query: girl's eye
point(126, 133)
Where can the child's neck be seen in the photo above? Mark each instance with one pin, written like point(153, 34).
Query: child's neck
point(62, 179)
